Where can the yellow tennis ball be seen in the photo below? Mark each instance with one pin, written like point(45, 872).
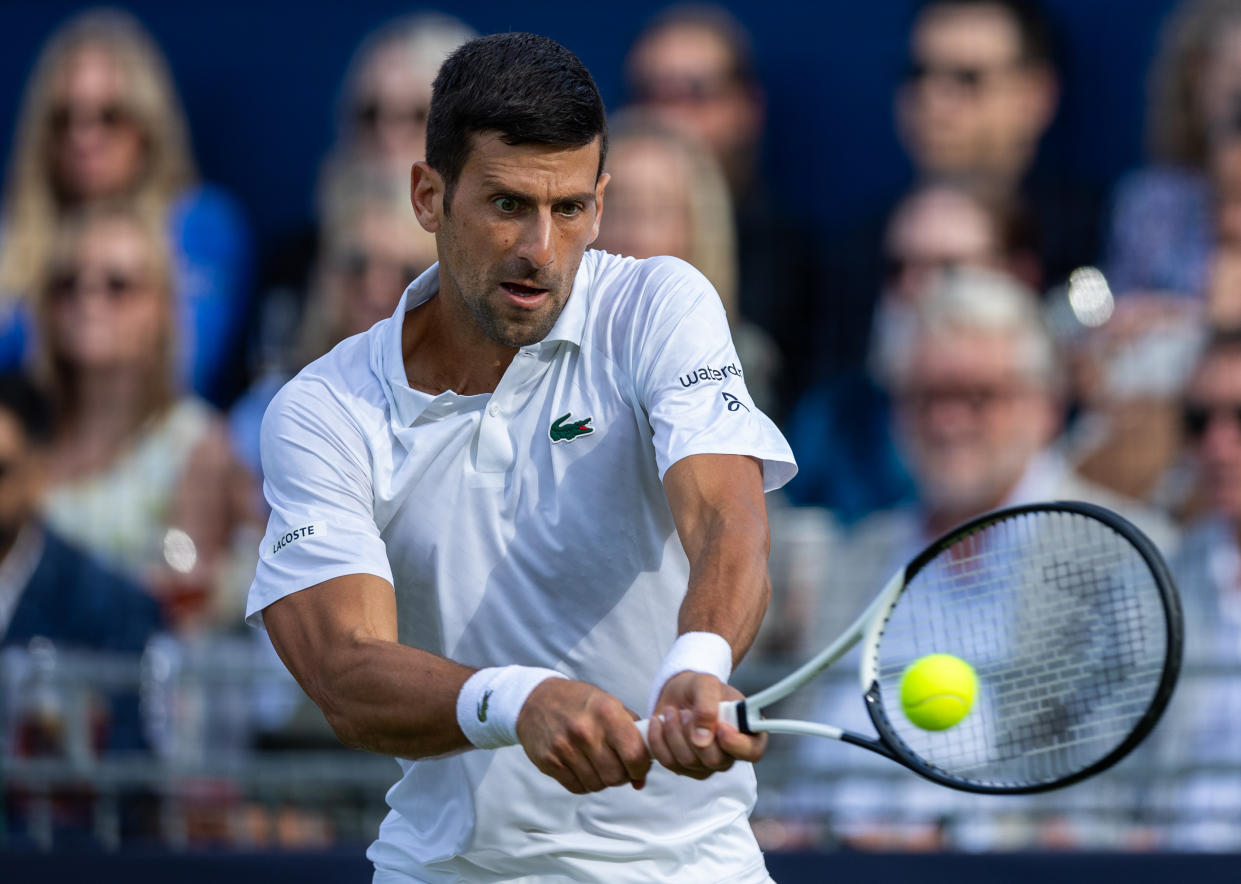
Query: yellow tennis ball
point(937, 691)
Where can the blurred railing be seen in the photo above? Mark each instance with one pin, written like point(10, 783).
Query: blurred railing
point(205, 708)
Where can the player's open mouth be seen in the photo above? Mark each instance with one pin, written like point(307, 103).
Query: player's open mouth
point(525, 295)
point(522, 291)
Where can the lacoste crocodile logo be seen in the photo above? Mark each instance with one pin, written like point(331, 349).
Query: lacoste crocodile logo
point(565, 430)
point(482, 706)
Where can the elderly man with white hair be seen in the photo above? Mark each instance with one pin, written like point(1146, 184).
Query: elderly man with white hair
point(977, 389)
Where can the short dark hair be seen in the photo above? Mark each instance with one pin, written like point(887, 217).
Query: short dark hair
point(529, 88)
point(1036, 43)
point(26, 402)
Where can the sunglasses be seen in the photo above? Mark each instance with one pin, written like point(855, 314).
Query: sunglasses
point(966, 78)
point(373, 114)
point(977, 398)
point(356, 263)
point(116, 285)
point(108, 117)
point(1196, 417)
point(684, 90)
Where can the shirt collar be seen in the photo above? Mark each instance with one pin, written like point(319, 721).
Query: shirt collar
point(388, 359)
point(571, 324)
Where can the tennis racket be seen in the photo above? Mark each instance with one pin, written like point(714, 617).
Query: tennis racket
point(1070, 618)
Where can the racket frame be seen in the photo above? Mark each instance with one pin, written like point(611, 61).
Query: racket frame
point(869, 626)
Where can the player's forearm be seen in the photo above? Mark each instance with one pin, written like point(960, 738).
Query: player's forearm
point(729, 586)
point(384, 697)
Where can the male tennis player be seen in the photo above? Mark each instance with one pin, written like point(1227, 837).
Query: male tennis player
point(524, 509)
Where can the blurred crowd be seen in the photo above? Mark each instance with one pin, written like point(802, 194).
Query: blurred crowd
point(1000, 334)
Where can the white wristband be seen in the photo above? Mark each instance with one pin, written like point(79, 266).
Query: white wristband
point(695, 652)
point(491, 699)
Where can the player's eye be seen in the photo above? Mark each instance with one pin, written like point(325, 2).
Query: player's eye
point(569, 209)
point(506, 204)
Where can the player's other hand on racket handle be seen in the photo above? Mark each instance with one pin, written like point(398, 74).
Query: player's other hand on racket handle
point(582, 737)
point(686, 735)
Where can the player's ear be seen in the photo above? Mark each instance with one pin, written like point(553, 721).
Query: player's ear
point(600, 185)
point(426, 194)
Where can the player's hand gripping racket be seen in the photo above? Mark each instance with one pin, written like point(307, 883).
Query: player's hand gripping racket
point(1070, 619)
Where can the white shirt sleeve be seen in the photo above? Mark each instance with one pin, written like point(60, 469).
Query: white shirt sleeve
point(317, 481)
point(691, 383)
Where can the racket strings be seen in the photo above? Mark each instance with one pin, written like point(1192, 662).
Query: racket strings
point(1063, 623)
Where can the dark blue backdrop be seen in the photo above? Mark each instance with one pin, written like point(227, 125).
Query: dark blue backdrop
point(259, 80)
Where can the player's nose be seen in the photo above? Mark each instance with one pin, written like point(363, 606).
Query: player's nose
point(535, 244)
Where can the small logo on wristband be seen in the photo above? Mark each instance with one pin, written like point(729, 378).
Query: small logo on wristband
point(482, 706)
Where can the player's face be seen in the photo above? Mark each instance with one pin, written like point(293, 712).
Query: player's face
point(511, 240)
point(971, 421)
point(1216, 395)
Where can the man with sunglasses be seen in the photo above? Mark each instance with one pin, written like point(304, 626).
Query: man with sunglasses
point(693, 69)
point(1203, 809)
point(980, 93)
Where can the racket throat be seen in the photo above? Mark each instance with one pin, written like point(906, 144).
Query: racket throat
point(868, 743)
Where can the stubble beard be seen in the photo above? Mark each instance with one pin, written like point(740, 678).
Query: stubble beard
point(506, 332)
point(478, 294)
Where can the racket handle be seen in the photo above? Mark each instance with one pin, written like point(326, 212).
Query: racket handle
point(728, 713)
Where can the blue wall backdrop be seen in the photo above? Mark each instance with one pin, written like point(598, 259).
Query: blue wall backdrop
point(259, 80)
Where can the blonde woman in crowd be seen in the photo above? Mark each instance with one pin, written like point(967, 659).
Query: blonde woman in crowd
point(381, 123)
point(370, 248)
point(668, 196)
point(141, 473)
point(387, 89)
point(101, 121)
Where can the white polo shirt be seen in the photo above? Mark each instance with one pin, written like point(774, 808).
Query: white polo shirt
point(528, 526)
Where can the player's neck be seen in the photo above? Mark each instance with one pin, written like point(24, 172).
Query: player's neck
point(445, 351)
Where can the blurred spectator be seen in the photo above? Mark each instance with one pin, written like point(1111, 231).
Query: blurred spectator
point(49, 588)
point(1127, 374)
point(372, 248)
point(381, 123)
point(1173, 259)
point(979, 94)
point(387, 89)
point(140, 474)
point(101, 121)
point(979, 403)
point(981, 91)
point(55, 599)
point(693, 68)
point(667, 196)
point(1201, 732)
point(1164, 221)
point(840, 429)
point(977, 391)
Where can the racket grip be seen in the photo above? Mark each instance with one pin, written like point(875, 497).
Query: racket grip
point(728, 713)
